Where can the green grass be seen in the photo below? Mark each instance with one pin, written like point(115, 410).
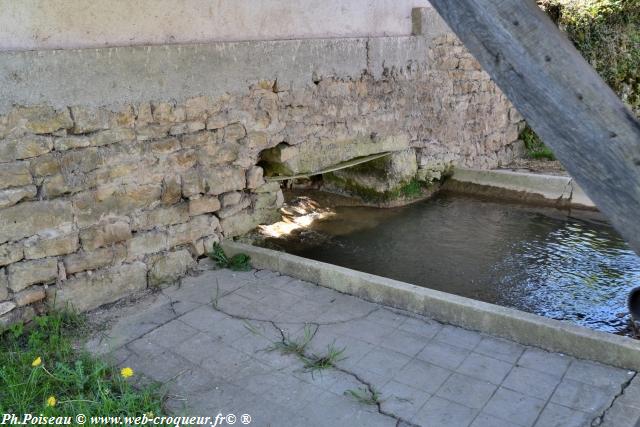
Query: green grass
point(328, 360)
point(364, 395)
point(534, 145)
point(295, 346)
point(238, 262)
point(79, 382)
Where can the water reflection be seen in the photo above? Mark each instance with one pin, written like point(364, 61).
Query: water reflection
point(534, 259)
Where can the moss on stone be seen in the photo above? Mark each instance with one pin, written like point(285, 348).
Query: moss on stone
point(407, 190)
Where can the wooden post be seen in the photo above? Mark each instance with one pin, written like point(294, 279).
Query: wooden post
point(562, 98)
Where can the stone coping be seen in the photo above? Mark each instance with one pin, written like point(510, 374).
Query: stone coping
point(524, 328)
point(531, 187)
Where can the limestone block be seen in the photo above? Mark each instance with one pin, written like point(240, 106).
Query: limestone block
point(193, 183)
point(204, 204)
point(164, 112)
point(197, 108)
point(169, 267)
point(22, 314)
point(232, 198)
point(218, 121)
point(30, 218)
point(87, 291)
point(92, 206)
point(255, 177)
point(6, 307)
point(146, 243)
point(279, 199)
point(26, 273)
point(25, 147)
point(196, 228)
point(89, 119)
point(164, 146)
point(50, 244)
point(29, 296)
point(152, 131)
point(4, 285)
point(238, 224)
point(93, 260)
point(269, 187)
point(220, 153)
point(57, 185)
point(14, 174)
point(40, 119)
point(125, 117)
point(160, 216)
point(105, 137)
point(200, 139)
point(10, 253)
point(265, 200)
point(143, 114)
point(11, 196)
point(187, 127)
point(231, 210)
point(224, 179)
point(234, 131)
point(105, 234)
point(171, 189)
point(47, 164)
point(82, 161)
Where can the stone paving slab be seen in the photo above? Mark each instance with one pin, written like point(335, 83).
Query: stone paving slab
point(211, 341)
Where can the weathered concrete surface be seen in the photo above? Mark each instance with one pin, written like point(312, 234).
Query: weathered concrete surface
point(61, 78)
point(546, 189)
point(211, 341)
point(63, 24)
point(525, 328)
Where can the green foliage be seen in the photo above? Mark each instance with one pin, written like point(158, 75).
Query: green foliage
point(238, 262)
point(607, 33)
point(364, 395)
point(295, 346)
point(411, 189)
point(534, 145)
point(39, 364)
point(325, 361)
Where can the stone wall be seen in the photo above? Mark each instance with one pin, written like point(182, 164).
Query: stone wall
point(118, 183)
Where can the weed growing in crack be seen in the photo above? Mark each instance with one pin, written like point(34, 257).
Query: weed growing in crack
point(329, 360)
point(364, 395)
point(289, 345)
point(238, 262)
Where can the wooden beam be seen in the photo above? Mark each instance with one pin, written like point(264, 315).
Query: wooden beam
point(562, 98)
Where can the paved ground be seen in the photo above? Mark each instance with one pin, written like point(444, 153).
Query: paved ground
point(211, 340)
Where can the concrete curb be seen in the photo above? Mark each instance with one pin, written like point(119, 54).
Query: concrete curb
point(525, 328)
point(554, 190)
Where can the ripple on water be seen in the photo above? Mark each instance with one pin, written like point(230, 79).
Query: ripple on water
point(534, 259)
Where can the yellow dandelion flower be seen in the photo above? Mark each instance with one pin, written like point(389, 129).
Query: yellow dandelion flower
point(51, 401)
point(126, 372)
point(36, 362)
point(149, 414)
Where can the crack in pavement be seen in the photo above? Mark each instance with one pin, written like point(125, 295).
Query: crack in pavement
point(600, 418)
point(371, 390)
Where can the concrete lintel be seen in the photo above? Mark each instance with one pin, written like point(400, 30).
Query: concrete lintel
point(117, 75)
point(525, 328)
